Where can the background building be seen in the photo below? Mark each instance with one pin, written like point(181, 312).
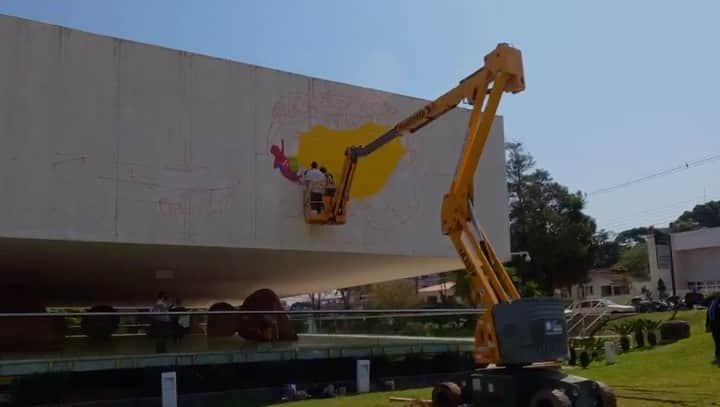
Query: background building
point(606, 283)
point(695, 257)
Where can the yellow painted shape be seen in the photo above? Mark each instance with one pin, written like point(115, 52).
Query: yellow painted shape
point(327, 147)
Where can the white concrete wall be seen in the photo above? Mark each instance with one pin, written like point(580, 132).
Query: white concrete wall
point(109, 140)
point(696, 239)
point(701, 265)
point(597, 280)
point(696, 258)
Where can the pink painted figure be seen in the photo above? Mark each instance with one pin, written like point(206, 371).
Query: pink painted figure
point(282, 162)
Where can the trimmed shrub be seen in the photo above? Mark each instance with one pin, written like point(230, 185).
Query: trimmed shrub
point(573, 357)
point(638, 327)
point(584, 359)
point(652, 338)
point(671, 331)
point(625, 343)
point(623, 330)
point(651, 327)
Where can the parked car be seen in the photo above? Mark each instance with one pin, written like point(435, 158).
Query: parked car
point(707, 300)
point(693, 299)
point(301, 306)
point(661, 305)
point(597, 307)
point(641, 304)
point(644, 305)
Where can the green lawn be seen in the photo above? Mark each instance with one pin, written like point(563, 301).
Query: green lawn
point(678, 374)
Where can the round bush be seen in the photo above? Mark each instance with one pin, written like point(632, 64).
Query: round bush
point(222, 325)
point(671, 331)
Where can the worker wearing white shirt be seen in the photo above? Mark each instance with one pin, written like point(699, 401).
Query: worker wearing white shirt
point(315, 180)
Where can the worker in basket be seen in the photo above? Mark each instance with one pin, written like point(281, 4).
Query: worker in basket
point(315, 182)
point(329, 183)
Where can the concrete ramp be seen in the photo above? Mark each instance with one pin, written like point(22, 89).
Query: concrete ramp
point(127, 168)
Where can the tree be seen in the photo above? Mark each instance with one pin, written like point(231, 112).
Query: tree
point(607, 251)
point(345, 296)
point(646, 292)
point(705, 215)
point(632, 236)
point(548, 221)
point(396, 294)
point(463, 289)
point(526, 289)
point(634, 260)
point(316, 300)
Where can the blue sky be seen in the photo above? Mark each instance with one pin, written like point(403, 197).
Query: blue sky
point(615, 89)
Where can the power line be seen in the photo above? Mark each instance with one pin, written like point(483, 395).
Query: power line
point(669, 212)
point(659, 221)
point(662, 173)
point(652, 216)
point(652, 212)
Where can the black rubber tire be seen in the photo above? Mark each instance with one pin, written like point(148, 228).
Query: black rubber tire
point(605, 396)
point(446, 394)
point(550, 398)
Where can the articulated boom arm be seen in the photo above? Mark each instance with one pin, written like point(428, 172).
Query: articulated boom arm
point(504, 62)
point(491, 285)
point(489, 280)
point(503, 67)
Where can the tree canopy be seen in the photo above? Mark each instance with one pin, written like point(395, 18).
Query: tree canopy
point(634, 260)
point(607, 250)
point(547, 220)
point(632, 236)
point(394, 294)
point(704, 215)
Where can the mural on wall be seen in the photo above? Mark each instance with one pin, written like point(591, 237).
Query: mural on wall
point(287, 165)
point(320, 124)
point(327, 146)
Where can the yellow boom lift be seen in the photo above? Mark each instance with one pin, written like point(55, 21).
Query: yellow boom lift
point(523, 339)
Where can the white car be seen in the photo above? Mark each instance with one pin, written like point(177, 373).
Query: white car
point(597, 307)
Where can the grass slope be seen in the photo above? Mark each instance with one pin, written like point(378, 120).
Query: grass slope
point(678, 374)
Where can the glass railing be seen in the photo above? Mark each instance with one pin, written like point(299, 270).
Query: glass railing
point(127, 334)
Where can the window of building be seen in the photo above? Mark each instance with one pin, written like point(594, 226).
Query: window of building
point(620, 290)
point(606, 290)
point(708, 286)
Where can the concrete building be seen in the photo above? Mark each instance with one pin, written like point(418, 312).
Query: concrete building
point(695, 257)
point(128, 168)
point(606, 283)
